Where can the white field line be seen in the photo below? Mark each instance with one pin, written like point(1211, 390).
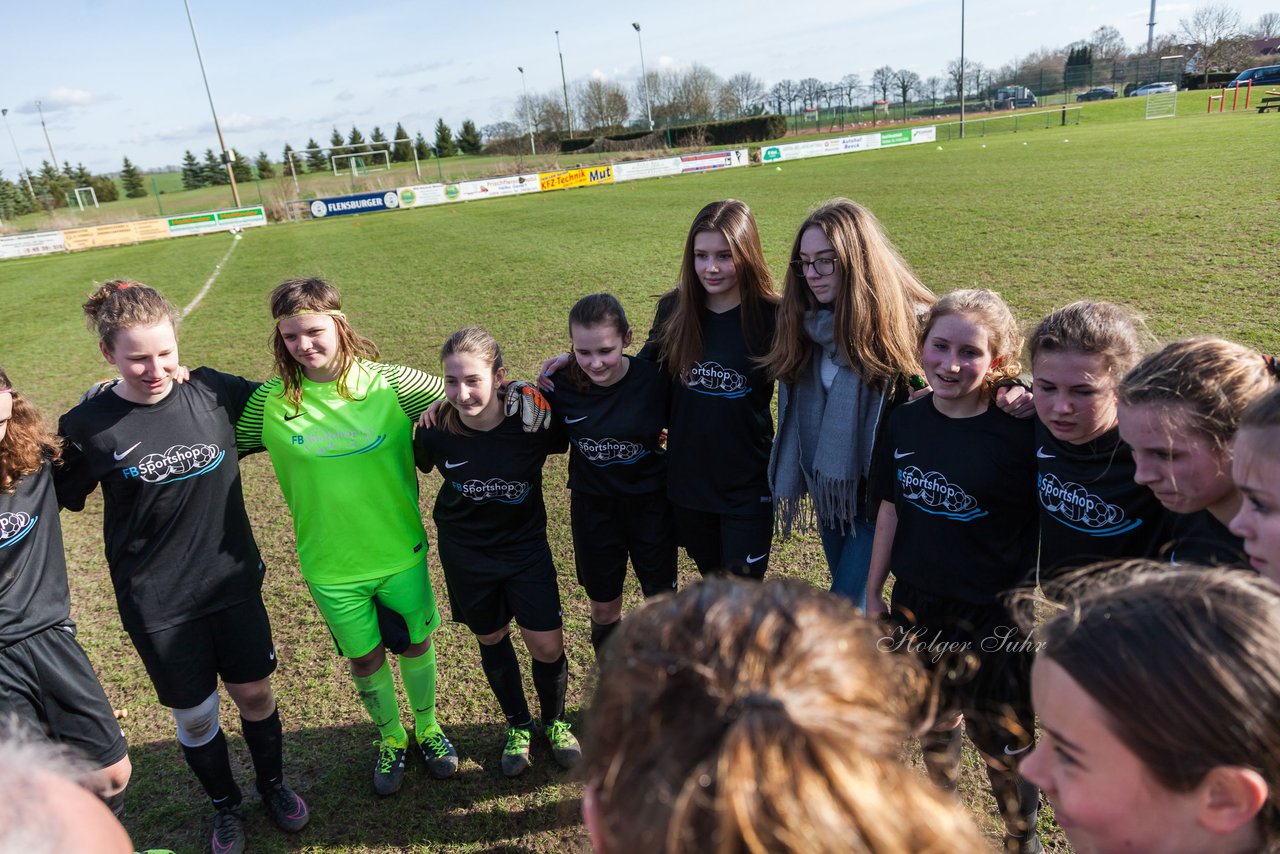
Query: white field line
point(191, 306)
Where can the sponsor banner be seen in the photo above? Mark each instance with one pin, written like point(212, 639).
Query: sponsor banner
point(35, 243)
point(359, 203)
point(422, 194)
point(488, 188)
point(845, 144)
point(634, 170)
point(567, 178)
point(713, 160)
point(115, 234)
point(204, 223)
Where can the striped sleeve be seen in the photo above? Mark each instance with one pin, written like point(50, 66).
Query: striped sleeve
point(249, 424)
point(415, 390)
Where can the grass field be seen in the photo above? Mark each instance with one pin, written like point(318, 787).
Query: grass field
point(1175, 219)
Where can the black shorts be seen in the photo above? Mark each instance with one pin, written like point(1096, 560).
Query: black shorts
point(486, 590)
point(737, 543)
point(607, 530)
point(981, 661)
point(46, 680)
point(185, 661)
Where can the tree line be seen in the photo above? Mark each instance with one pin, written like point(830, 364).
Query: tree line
point(52, 188)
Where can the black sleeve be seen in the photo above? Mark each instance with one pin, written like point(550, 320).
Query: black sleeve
point(233, 391)
point(667, 304)
point(880, 480)
point(423, 457)
point(72, 479)
point(557, 437)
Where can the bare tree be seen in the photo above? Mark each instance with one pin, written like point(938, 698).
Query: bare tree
point(742, 95)
point(882, 81)
point(957, 75)
point(1268, 26)
point(786, 92)
point(1213, 29)
point(696, 93)
point(603, 105)
point(1107, 44)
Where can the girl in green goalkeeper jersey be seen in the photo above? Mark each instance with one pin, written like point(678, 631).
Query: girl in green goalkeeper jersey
point(339, 428)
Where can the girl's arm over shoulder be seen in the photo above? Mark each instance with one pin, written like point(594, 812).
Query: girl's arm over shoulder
point(73, 481)
point(250, 423)
point(415, 390)
point(424, 448)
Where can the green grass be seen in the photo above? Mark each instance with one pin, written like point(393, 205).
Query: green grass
point(1174, 219)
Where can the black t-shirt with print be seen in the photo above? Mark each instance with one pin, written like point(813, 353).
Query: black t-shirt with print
point(721, 424)
point(964, 489)
point(614, 430)
point(1199, 538)
point(33, 570)
point(1090, 507)
point(177, 536)
point(491, 498)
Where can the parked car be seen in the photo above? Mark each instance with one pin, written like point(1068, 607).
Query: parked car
point(1263, 75)
point(1099, 93)
point(1154, 89)
point(1011, 97)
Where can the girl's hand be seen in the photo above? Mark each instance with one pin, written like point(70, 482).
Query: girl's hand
point(181, 374)
point(431, 413)
point(534, 410)
point(549, 367)
point(1016, 400)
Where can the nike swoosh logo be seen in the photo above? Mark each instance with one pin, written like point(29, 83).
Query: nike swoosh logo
point(569, 420)
point(450, 465)
point(120, 455)
point(293, 416)
point(897, 455)
point(1042, 455)
point(757, 558)
point(1008, 752)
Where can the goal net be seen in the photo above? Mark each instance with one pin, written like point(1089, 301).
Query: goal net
point(82, 196)
point(377, 160)
point(1162, 105)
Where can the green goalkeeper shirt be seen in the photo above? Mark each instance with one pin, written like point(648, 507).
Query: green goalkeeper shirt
point(346, 468)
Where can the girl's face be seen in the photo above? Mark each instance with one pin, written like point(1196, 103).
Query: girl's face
point(6, 412)
point(1103, 795)
point(146, 357)
point(1185, 469)
point(471, 384)
point(713, 262)
point(598, 350)
point(1256, 472)
point(312, 340)
point(957, 356)
point(1075, 395)
point(814, 246)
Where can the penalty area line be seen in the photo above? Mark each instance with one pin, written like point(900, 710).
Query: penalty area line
point(191, 306)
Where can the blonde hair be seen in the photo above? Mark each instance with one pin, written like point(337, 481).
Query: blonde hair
point(877, 304)
point(995, 317)
point(125, 304)
point(1101, 328)
point(1263, 417)
point(748, 717)
point(1213, 380)
point(305, 296)
point(680, 338)
point(27, 442)
point(471, 341)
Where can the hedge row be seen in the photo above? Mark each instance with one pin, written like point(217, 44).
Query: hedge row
point(731, 132)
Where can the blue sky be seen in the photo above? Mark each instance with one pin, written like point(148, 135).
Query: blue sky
point(121, 78)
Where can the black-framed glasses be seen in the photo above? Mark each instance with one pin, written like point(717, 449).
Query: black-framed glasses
point(822, 266)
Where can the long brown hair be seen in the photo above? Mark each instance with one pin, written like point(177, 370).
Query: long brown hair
point(302, 296)
point(473, 341)
point(680, 339)
point(746, 717)
point(994, 315)
point(1185, 661)
point(1103, 329)
point(125, 304)
point(877, 304)
point(27, 442)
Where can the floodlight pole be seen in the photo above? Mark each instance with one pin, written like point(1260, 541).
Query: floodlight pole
point(47, 141)
point(4, 113)
point(527, 120)
point(222, 146)
point(564, 84)
point(644, 77)
point(1151, 26)
point(962, 69)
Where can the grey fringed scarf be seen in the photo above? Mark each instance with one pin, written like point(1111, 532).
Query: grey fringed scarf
point(824, 440)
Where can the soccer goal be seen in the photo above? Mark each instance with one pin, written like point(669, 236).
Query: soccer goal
point(377, 160)
point(80, 195)
point(1162, 105)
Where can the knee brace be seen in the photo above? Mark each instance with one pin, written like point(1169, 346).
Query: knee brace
point(198, 725)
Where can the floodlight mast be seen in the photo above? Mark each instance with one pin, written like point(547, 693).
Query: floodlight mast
point(4, 113)
point(222, 146)
point(1151, 26)
point(568, 114)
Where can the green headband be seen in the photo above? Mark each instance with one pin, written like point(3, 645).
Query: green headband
point(330, 312)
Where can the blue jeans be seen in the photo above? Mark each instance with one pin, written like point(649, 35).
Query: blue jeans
point(849, 559)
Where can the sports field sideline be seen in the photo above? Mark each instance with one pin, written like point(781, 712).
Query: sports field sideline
point(1173, 218)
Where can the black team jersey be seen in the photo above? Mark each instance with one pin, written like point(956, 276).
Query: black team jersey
point(33, 570)
point(491, 498)
point(1090, 507)
point(964, 489)
point(613, 430)
point(177, 535)
point(721, 425)
point(1199, 538)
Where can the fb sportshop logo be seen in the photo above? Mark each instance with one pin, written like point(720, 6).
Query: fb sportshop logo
point(178, 463)
point(715, 379)
point(607, 452)
point(332, 445)
point(931, 492)
point(15, 526)
point(1080, 510)
point(497, 489)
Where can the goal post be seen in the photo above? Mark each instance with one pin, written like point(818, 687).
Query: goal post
point(362, 163)
point(1162, 105)
point(82, 195)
